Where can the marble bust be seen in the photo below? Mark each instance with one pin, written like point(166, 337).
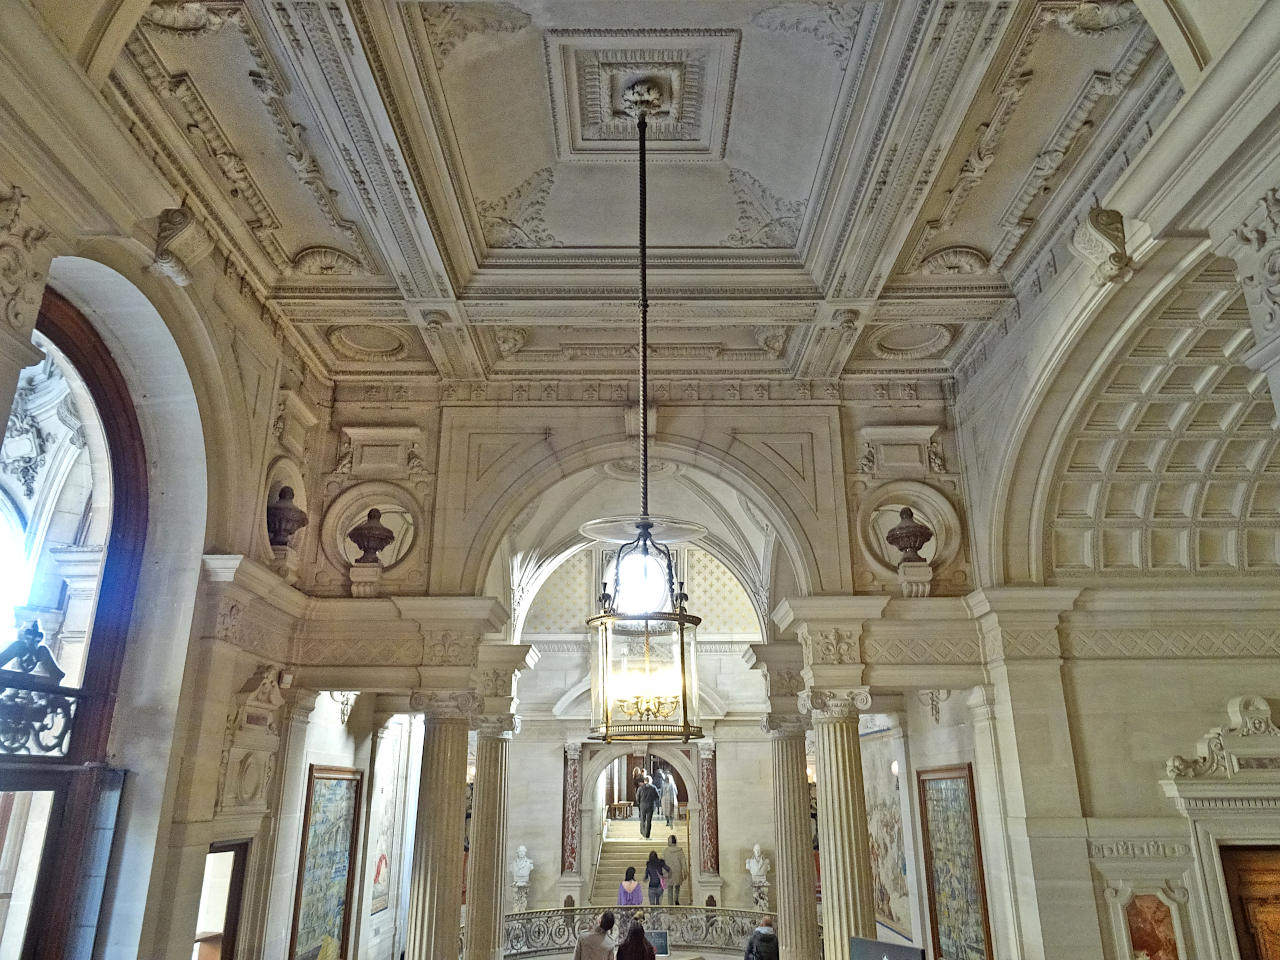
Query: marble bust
point(521, 867)
point(758, 866)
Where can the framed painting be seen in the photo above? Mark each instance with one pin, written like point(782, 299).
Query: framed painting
point(322, 904)
point(884, 827)
point(958, 920)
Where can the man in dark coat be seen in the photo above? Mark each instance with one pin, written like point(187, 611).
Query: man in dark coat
point(647, 801)
point(763, 944)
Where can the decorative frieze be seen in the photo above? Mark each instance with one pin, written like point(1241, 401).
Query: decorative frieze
point(23, 262)
point(1138, 850)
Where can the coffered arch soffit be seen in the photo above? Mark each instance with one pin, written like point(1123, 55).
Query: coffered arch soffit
point(1163, 462)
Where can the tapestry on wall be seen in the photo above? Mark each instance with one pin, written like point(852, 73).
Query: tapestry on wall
point(322, 907)
point(383, 854)
point(884, 826)
point(953, 864)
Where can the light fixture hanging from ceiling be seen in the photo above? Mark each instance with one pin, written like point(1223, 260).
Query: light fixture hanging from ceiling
point(644, 681)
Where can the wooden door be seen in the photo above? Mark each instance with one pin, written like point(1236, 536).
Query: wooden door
point(1253, 883)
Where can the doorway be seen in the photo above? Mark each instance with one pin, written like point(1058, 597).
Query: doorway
point(1253, 886)
point(220, 894)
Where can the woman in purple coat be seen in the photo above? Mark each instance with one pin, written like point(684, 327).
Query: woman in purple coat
point(629, 892)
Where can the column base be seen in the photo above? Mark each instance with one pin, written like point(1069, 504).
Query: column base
point(570, 885)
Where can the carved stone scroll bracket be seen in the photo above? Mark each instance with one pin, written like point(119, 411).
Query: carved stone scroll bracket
point(1225, 753)
point(1100, 240)
point(181, 243)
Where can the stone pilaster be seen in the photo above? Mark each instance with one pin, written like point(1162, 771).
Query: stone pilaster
point(792, 842)
point(486, 873)
point(24, 265)
point(435, 886)
point(571, 819)
point(1044, 827)
point(844, 849)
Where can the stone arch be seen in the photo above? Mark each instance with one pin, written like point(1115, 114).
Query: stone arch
point(537, 470)
point(165, 396)
point(1160, 460)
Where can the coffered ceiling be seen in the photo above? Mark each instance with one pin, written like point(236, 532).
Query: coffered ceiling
point(450, 189)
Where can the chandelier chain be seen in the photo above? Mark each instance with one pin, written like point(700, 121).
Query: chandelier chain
point(644, 327)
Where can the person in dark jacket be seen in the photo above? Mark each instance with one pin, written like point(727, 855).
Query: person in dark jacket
point(636, 946)
point(655, 872)
point(647, 801)
point(763, 944)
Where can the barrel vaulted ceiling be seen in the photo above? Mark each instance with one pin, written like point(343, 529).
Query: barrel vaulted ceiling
point(445, 188)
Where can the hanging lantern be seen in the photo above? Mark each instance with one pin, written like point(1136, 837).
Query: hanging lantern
point(644, 679)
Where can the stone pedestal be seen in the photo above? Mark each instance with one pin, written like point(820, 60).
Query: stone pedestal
point(485, 872)
point(366, 579)
point(915, 579)
point(793, 845)
point(435, 887)
point(844, 850)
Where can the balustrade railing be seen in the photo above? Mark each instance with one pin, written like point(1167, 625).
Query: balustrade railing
point(535, 933)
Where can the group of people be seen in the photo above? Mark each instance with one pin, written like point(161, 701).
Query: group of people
point(653, 793)
point(597, 944)
point(660, 874)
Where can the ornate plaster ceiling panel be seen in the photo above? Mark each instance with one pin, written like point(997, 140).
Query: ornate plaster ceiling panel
point(230, 106)
point(589, 72)
point(740, 158)
point(1056, 81)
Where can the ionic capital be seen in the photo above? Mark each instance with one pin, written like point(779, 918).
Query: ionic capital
point(463, 704)
point(835, 704)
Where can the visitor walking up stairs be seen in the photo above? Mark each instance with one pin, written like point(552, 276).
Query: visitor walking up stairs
point(624, 847)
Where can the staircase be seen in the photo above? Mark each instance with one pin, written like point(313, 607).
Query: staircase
point(624, 847)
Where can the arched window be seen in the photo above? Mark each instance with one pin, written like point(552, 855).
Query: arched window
point(73, 499)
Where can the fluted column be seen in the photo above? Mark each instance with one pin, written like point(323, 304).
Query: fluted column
point(844, 849)
point(435, 888)
point(792, 841)
point(486, 872)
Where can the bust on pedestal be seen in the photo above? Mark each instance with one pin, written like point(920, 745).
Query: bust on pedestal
point(758, 866)
point(521, 867)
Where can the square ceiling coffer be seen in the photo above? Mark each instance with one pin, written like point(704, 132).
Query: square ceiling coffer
point(590, 70)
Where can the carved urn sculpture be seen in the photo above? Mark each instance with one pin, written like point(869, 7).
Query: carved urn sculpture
point(371, 537)
point(909, 535)
point(284, 518)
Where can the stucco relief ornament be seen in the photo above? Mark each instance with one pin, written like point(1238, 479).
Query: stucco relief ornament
point(181, 242)
point(835, 24)
point(21, 282)
point(1248, 716)
point(1100, 240)
point(183, 17)
point(1260, 274)
point(26, 444)
point(764, 218)
point(515, 220)
point(1094, 18)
